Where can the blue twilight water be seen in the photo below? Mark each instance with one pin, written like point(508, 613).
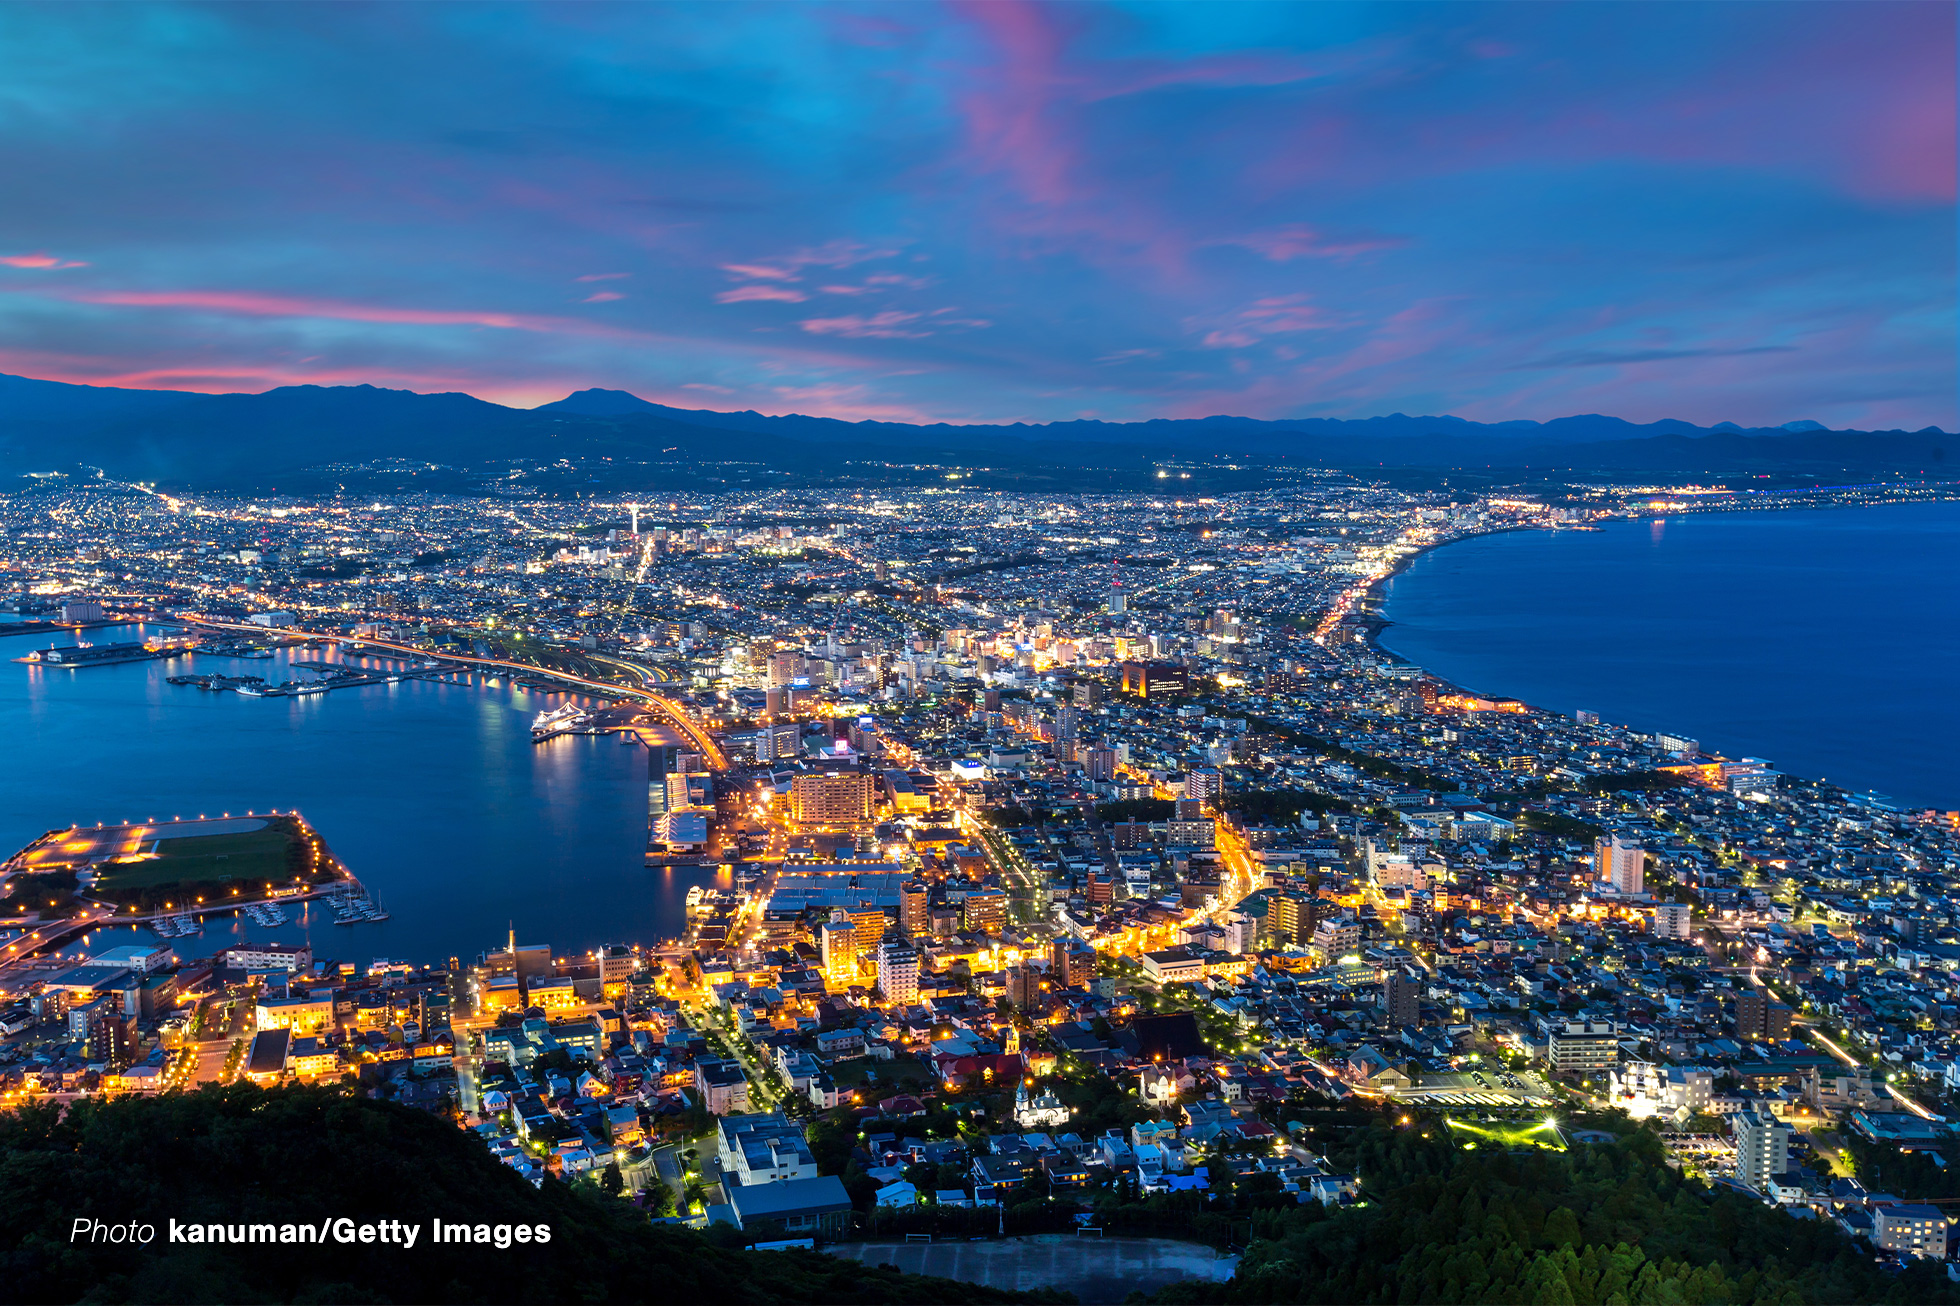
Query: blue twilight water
point(433, 794)
point(1822, 640)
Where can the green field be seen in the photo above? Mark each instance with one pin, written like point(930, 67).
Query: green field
point(1543, 1134)
point(275, 854)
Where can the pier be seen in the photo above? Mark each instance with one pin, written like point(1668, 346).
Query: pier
point(337, 676)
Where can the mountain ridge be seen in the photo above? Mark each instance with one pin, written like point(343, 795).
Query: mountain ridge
point(239, 439)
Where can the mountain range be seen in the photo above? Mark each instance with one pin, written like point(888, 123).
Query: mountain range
point(293, 435)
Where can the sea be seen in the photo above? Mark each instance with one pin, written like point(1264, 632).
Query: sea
point(431, 793)
point(1826, 641)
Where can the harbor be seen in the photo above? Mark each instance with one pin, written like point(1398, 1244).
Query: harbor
point(329, 676)
point(432, 789)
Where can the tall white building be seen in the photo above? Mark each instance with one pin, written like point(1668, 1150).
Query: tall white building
point(1204, 784)
point(1672, 920)
point(1762, 1148)
point(1620, 864)
point(898, 973)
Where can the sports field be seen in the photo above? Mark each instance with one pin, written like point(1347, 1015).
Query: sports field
point(271, 852)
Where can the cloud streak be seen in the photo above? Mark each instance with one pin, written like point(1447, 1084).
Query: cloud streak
point(1711, 212)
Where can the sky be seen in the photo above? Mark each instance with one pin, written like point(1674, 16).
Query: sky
point(996, 211)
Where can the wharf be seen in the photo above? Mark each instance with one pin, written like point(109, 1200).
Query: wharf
point(339, 678)
point(100, 655)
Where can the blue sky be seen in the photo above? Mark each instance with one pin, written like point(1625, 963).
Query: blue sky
point(996, 211)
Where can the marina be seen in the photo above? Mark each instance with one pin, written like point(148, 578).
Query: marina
point(429, 788)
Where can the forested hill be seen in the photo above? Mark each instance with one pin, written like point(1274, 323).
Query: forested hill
point(1604, 1223)
point(240, 1155)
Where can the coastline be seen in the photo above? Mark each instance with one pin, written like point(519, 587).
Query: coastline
point(1370, 624)
point(1367, 616)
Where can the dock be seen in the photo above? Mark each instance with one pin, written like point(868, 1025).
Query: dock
point(338, 676)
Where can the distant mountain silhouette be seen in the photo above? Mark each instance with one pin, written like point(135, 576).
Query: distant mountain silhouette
point(1591, 426)
point(258, 439)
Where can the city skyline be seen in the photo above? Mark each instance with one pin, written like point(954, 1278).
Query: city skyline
point(999, 212)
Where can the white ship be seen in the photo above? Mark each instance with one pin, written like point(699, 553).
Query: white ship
point(558, 720)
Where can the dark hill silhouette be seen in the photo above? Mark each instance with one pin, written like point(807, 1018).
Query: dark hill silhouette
point(256, 440)
point(241, 1155)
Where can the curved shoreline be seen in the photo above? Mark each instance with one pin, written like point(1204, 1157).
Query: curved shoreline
point(1369, 618)
point(1663, 714)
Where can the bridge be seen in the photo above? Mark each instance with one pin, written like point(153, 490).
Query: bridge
point(673, 713)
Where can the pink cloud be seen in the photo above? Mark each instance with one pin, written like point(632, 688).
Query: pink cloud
point(36, 261)
point(888, 325)
point(1284, 244)
point(1274, 315)
point(236, 378)
point(259, 305)
point(605, 276)
point(759, 271)
point(881, 281)
point(602, 297)
point(1418, 329)
point(1007, 123)
point(746, 294)
point(789, 267)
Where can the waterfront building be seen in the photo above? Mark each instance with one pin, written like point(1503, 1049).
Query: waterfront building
point(833, 798)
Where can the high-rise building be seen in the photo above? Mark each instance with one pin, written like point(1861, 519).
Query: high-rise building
point(1119, 602)
point(1155, 679)
point(1758, 1015)
point(1673, 920)
point(837, 940)
point(833, 798)
point(1025, 985)
point(785, 667)
point(1762, 1148)
point(616, 966)
point(913, 901)
point(113, 1038)
point(1290, 919)
point(1071, 962)
point(898, 973)
point(1620, 864)
point(1205, 784)
point(986, 911)
point(1099, 763)
point(1402, 996)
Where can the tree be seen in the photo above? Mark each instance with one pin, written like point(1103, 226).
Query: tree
point(235, 1154)
point(612, 1180)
